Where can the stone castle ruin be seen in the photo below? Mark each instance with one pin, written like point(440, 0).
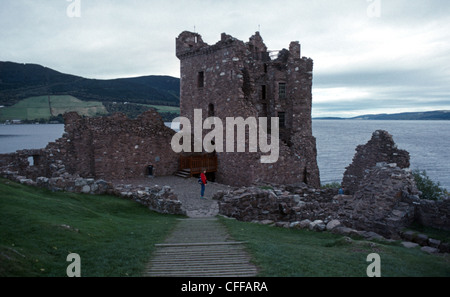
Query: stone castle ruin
point(381, 148)
point(228, 79)
point(236, 79)
point(109, 148)
point(383, 200)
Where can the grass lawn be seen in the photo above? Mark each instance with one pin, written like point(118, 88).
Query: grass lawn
point(65, 103)
point(163, 108)
point(39, 229)
point(289, 253)
point(116, 237)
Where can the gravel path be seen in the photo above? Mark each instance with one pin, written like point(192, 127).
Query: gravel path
point(188, 192)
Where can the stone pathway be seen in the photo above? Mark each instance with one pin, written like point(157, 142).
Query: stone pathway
point(188, 192)
point(200, 247)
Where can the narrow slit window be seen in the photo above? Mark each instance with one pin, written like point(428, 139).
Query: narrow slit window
point(282, 119)
point(210, 110)
point(201, 79)
point(263, 92)
point(282, 90)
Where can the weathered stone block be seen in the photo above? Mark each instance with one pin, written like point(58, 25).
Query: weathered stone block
point(430, 250)
point(333, 224)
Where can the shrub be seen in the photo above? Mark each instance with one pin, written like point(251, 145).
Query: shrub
point(333, 185)
point(266, 188)
point(430, 190)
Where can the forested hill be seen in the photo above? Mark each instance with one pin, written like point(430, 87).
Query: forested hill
point(20, 81)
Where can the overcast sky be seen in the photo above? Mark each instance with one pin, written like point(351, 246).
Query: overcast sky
point(370, 56)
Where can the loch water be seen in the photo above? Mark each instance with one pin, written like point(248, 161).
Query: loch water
point(428, 143)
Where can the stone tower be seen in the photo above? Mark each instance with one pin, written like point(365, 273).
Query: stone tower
point(236, 79)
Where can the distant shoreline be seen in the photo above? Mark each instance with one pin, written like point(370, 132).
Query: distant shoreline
point(437, 115)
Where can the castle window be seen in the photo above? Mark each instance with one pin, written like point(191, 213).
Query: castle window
point(265, 68)
point(210, 110)
point(282, 90)
point(34, 160)
point(282, 119)
point(201, 79)
point(31, 161)
point(263, 92)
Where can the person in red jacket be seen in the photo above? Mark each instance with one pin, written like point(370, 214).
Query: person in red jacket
point(204, 182)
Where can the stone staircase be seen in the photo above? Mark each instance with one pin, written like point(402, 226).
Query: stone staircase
point(200, 247)
point(185, 173)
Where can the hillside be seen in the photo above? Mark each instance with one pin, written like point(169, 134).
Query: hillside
point(20, 81)
point(49, 108)
point(415, 116)
point(429, 115)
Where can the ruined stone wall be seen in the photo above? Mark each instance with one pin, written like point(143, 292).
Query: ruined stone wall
point(112, 147)
point(30, 162)
point(117, 147)
point(384, 202)
point(94, 150)
point(380, 148)
point(227, 79)
point(434, 214)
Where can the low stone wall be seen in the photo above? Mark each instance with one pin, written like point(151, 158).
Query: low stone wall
point(385, 204)
point(159, 199)
point(248, 204)
point(434, 214)
point(278, 203)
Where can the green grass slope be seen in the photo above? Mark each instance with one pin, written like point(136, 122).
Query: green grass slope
point(44, 107)
point(280, 252)
point(39, 229)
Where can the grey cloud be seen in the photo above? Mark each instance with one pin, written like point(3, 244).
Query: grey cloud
point(131, 38)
